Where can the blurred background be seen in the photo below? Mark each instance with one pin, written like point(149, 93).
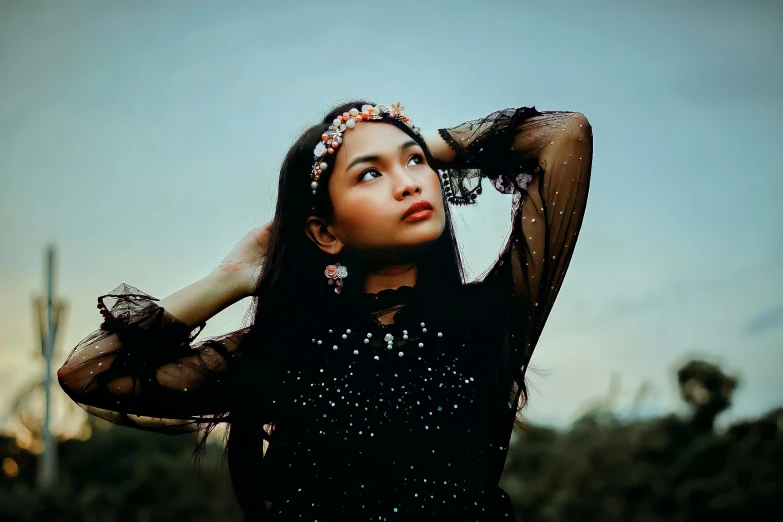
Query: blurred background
point(140, 140)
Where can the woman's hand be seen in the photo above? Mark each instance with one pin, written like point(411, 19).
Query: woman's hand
point(242, 266)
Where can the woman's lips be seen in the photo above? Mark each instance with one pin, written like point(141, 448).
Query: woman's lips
point(418, 216)
point(418, 208)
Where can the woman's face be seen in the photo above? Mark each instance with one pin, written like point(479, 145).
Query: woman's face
point(379, 172)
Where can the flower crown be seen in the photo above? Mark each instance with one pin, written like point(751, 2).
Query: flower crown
point(333, 137)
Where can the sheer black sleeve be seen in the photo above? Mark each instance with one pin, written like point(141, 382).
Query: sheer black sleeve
point(143, 368)
point(543, 159)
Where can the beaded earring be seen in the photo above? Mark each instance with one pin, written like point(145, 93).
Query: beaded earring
point(335, 273)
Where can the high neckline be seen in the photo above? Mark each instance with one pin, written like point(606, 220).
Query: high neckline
point(389, 297)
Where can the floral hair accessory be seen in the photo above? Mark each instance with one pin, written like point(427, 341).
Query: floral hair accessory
point(335, 273)
point(333, 137)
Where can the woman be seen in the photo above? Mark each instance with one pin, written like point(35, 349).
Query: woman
point(381, 384)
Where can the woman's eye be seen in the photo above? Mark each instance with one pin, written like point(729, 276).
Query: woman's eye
point(418, 157)
point(364, 174)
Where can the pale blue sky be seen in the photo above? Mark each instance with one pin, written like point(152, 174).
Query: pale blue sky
point(144, 139)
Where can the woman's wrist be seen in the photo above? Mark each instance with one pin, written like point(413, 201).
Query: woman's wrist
point(199, 301)
point(440, 150)
point(227, 282)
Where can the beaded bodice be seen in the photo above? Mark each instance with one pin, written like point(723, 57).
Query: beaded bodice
point(366, 392)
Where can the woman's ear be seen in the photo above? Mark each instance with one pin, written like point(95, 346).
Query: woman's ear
point(318, 232)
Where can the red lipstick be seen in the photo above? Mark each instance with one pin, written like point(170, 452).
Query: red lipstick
point(419, 210)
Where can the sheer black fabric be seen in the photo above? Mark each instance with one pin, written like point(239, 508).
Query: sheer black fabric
point(376, 421)
point(143, 368)
point(544, 160)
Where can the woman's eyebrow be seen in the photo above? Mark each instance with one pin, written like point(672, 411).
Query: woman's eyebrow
point(375, 157)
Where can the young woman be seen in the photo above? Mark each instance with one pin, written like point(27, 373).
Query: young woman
point(374, 383)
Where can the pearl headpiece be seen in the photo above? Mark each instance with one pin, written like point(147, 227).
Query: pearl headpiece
point(333, 137)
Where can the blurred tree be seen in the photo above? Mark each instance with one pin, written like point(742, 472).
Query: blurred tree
point(707, 389)
point(665, 469)
point(123, 475)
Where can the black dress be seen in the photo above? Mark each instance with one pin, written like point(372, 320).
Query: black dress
point(373, 421)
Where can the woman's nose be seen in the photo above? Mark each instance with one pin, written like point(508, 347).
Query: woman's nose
point(407, 186)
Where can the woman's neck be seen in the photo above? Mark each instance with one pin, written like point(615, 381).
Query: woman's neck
point(390, 277)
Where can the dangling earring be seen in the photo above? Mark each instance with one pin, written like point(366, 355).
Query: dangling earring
point(335, 273)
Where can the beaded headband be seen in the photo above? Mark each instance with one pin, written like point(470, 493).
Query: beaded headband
point(333, 137)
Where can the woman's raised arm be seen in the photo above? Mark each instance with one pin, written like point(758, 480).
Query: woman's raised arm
point(544, 160)
point(143, 367)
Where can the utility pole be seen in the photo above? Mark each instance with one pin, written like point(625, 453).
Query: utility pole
point(50, 312)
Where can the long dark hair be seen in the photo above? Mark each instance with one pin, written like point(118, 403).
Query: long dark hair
point(292, 293)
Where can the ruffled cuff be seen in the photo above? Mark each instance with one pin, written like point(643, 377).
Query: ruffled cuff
point(139, 313)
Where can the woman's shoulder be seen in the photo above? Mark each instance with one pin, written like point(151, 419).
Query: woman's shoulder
point(467, 307)
point(476, 294)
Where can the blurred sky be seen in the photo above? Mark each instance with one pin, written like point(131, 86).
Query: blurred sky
point(144, 139)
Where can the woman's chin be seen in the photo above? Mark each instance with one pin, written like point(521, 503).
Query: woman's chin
point(421, 234)
point(406, 236)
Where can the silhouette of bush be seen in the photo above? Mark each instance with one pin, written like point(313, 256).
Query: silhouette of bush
point(669, 468)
